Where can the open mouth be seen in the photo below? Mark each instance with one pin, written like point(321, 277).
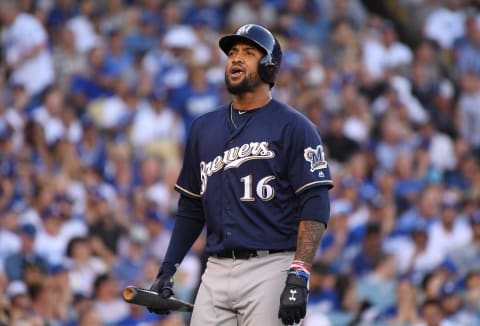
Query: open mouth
point(236, 71)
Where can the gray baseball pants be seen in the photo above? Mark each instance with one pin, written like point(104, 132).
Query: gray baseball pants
point(241, 292)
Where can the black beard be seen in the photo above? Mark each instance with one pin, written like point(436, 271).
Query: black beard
point(248, 84)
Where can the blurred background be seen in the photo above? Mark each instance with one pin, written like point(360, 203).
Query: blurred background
point(96, 102)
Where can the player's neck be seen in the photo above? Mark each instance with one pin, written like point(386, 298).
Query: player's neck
point(250, 101)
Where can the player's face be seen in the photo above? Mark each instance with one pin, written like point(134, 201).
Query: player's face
point(241, 74)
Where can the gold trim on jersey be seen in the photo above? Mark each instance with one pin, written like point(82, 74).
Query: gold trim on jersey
point(188, 192)
point(312, 183)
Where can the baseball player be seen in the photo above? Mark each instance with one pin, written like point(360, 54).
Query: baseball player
point(255, 175)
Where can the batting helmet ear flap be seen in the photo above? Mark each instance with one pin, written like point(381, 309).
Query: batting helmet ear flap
point(267, 69)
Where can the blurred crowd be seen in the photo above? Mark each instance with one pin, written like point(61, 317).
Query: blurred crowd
point(96, 101)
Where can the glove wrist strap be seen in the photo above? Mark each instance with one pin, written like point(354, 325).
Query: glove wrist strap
point(299, 273)
point(300, 268)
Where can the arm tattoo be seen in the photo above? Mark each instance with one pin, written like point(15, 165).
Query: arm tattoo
point(309, 235)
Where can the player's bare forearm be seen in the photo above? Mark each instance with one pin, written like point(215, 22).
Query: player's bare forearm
point(309, 235)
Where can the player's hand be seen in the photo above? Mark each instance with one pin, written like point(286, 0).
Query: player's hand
point(293, 300)
point(163, 285)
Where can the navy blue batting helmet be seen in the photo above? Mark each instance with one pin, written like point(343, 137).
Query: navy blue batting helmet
point(261, 37)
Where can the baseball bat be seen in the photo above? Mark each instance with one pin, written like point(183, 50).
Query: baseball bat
point(153, 300)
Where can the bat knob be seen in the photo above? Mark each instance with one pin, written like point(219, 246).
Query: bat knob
point(129, 293)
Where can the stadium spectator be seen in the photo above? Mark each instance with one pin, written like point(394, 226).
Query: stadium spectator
point(15, 263)
point(378, 286)
point(466, 49)
point(106, 300)
point(368, 252)
point(25, 49)
point(82, 266)
point(104, 227)
point(204, 11)
point(432, 314)
point(472, 293)
point(244, 12)
point(323, 295)
point(10, 242)
point(20, 304)
point(155, 124)
point(383, 53)
point(128, 268)
point(438, 146)
point(333, 249)
point(339, 146)
point(404, 310)
point(196, 97)
point(453, 305)
point(469, 116)
point(66, 60)
point(450, 14)
point(95, 82)
point(466, 257)
point(451, 231)
point(81, 25)
point(117, 56)
point(415, 254)
point(158, 234)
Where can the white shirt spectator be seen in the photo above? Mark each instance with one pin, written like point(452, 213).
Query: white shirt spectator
point(9, 244)
point(356, 129)
point(85, 36)
point(15, 120)
point(30, 216)
point(52, 248)
point(159, 193)
point(113, 110)
point(377, 58)
point(445, 241)
point(403, 88)
point(113, 311)
point(82, 276)
point(18, 39)
point(444, 26)
point(53, 127)
point(149, 126)
point(442, 152)
point(404, 250)
point(74, 131)
point(74, 228)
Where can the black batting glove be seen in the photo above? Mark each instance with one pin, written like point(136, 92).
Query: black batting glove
point(293, 300)
point(163, 285)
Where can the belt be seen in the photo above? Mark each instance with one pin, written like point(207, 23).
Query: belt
point(246, 253)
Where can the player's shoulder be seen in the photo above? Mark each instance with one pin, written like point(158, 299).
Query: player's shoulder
point(290, 114)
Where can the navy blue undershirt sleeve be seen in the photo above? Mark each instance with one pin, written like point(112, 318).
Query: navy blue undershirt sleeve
point(315, 204)
point(189, 222)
